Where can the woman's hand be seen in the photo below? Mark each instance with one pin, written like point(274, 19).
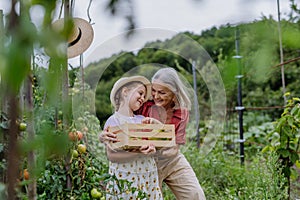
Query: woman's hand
point(148, 149)
point(150, 120)
point(106, 137)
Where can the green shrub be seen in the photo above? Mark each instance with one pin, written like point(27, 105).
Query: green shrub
point(222, 176)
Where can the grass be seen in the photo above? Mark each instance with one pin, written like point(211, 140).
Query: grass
point(222, 176)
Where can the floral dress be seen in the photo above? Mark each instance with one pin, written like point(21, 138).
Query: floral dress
point(135, 179)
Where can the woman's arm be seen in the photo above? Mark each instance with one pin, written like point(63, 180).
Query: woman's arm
point(150, 120)
point(180, 119)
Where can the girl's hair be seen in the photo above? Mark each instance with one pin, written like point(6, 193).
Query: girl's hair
point(169, 77)
point(118, 98)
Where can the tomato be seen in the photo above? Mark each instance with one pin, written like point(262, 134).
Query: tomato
point(95, 193)
point(74, 153)
point(81, 148)
point(22, 126)
point(26, 174)
point(79, 135)
point(73, 136)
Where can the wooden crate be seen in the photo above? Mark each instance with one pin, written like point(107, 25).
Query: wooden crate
point(132, 136)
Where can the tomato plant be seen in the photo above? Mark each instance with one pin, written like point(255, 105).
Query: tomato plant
point(285, 139)
point(86, 171)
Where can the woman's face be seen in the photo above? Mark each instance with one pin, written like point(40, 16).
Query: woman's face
point(137, 97)
point(162, 95)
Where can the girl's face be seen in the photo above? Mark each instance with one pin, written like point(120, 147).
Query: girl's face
point(137, 97)
point(162, 95)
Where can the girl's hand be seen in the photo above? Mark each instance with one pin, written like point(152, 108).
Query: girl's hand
point(149, 120)
point(106, 137)
point(148, 149)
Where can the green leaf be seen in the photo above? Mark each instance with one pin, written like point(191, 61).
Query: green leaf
point(287, 131)
point(294, 157)
point(295, 110)
point(291, 121)
point(296, 99)
point(284, 152)
point(265, 149)
point(298, 114)
point(281, 122)
point(286, 171)
point(297, 163)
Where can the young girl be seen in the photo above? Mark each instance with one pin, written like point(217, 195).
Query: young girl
point(128, 95)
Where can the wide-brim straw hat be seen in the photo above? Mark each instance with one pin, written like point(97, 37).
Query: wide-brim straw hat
point(80, 38)
point(124, 80)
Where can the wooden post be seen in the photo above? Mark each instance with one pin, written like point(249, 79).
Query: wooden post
point(281, 53)
point(31, 136)
point(27, 107)
point(2, 97)
point(13, 110)
point(65, 93)
point(65, 77)
point(13, 157)
point(1, 30)
point(82, 76)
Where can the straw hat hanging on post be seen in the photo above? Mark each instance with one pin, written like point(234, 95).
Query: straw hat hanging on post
point(80, 37)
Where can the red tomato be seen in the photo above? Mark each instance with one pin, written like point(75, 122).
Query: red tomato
point(26, 174)
point(79, 135)
point(73, 136)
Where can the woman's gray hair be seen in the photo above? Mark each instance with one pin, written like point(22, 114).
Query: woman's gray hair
point(169, 78)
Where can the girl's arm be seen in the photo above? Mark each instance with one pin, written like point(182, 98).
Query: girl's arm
point(120, 156)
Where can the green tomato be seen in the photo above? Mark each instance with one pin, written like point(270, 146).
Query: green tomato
point(95, 193)
point(60, 113)
point(74, 153)
point(81, 148)
point(22, 126)
point(99, 194)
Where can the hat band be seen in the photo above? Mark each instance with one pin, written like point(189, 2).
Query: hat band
point(76, 40)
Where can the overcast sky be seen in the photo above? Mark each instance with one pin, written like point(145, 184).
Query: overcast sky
point(169, 16)
point(176, 16)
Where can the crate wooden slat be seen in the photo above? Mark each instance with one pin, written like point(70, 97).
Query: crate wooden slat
point(136, 135)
